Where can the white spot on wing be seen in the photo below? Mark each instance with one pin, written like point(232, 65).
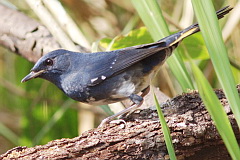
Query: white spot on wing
point(103, 77)
point(114, 61)
point(94, 79)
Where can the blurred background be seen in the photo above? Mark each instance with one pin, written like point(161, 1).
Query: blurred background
point(37, 112)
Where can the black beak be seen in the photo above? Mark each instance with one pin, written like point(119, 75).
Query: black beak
point(32, 75)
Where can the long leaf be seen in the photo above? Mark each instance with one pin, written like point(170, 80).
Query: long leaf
point(208, 22)
point(217, 112)
point(151, 14)
point(166, 132)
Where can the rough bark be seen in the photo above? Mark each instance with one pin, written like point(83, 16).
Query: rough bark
point(24, 35)
point(193, 132)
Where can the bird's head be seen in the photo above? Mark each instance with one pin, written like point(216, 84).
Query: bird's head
point(50, 66)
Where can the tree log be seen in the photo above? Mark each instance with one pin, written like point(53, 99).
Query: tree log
point(193, 132)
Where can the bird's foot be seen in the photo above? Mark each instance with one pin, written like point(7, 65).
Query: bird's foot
point(110, 118)
point(109, 121)
point(104, 122)
point(118, 121)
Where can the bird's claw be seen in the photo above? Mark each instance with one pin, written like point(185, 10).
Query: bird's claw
point(118, 121)
point(108, 120)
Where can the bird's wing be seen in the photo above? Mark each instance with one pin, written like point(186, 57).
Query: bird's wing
point(119, 60)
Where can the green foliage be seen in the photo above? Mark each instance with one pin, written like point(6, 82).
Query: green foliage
point(151, 15)
point(35, 103)
point(107, 110)
point(215, 45)
point(10, 135)
point(39, 112)
point(217, 112)
point(166, 131)
point(134, 37)
point(195, 46)
point(212, 35)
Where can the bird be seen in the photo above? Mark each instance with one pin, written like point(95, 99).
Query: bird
point(107, 77)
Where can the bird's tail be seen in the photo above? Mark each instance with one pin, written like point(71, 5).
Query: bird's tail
point(195, 27)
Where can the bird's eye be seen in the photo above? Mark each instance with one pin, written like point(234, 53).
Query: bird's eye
point(49, 62)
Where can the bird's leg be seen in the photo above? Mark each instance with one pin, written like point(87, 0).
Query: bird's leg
point(143, 94)
point(145, 91)
point(137, 102)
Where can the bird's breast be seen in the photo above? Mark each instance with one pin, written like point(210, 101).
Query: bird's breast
point(74, 89)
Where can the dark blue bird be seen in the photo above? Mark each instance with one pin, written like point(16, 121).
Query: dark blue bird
point(107, 77)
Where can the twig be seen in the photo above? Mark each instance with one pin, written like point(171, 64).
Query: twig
point(66, 22)
point(232, 22)
point(51, 24)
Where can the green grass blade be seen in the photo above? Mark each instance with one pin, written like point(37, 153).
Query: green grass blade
point(131, 24)
point(217, 112)
point(151, 15)
point(8, 134)
point(107, 110)
point(166, 132)
point(212, 36)
point(57, 115)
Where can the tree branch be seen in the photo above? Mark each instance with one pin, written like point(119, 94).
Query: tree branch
point(193, 133)
point(24, 35)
